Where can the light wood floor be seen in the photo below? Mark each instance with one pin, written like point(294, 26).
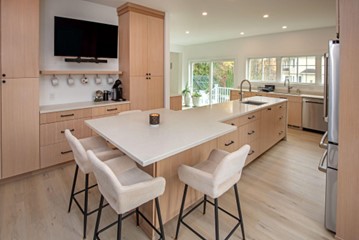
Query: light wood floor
point(282, 197)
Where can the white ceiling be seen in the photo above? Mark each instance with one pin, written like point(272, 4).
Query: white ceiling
point(226, 19)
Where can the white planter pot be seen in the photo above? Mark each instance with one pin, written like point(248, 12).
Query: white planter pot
point(195, 101)
point(187, 99)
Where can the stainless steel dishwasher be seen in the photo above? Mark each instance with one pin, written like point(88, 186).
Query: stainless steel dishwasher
point(312, 116)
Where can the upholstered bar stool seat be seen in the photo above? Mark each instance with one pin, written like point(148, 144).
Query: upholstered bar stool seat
point(214, 177)
point(79, 147)
point(125, 187)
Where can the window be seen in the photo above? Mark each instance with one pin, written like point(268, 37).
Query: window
point(263, 69)
point(212, 79)
point(297, 69)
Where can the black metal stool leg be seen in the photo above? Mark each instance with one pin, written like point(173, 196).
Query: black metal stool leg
point(119, 226)
point(181, 211)
point(86, 203)
point(204, 204)
point(239, 210)
point(216, 218)
point(160, 219)
point(98, 218)
point(137, 218)
point(73, 187)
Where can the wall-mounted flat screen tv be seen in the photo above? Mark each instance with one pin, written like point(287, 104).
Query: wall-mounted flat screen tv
point(78, 38)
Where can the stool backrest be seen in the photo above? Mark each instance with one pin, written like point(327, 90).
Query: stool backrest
point(108, 184)
point(231, 164)
point(78, 150)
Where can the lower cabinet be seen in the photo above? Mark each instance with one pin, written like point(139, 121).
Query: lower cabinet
point(54, 148)
point(176, 103)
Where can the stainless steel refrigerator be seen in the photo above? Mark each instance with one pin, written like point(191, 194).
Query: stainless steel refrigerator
point(329, 160)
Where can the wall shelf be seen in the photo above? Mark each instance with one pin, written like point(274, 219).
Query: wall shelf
point(82, 72)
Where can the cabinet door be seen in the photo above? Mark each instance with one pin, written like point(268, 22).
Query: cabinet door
point(155, 46)
point(20, 38)
point(295, 114)
point(267, 128)
point(138, 93)
point(155, 93)
point(138, 44)
point(20, 126)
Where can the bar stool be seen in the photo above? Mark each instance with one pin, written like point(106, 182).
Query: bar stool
point(79, 147)
point(125, 187)
point(214, 177)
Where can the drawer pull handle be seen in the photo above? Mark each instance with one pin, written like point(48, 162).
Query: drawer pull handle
point(233, 124)
point(269, 109)
point(66, 152)
point(68, 115)
point(281, 117)
point(280, 106)
point(111, 109)
point(227, 144)
point(71, 130)
point(251, 152)
point(251, 117)
point(252, 132)
point(280, 133)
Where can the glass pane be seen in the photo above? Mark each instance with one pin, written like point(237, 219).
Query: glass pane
point(201, 75)
point(255, 69)
point(302, 61)
point(311, 60)
point(223, 73)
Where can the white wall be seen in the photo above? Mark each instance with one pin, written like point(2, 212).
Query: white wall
point(309, 42)
point(78, 92)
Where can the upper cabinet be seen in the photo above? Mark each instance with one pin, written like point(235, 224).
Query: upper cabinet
point(141, 55)
point(19, 38)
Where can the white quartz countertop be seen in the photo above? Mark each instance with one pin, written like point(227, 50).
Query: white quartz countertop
point(178, 130)
point(77, 105)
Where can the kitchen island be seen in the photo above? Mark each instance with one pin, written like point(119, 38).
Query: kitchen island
point(187, 137)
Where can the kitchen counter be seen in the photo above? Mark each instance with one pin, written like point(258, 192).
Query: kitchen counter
point(285, 93)
point(77, 105)
point(177, 132)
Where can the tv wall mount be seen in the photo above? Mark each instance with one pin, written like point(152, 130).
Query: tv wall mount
point(87, 60)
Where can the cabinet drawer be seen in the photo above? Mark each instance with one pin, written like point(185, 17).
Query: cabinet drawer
point(65, 115)
point(110, 110)
point(249, 132)
point(254, 152)
point(233, 122)
point(52, 133)
point(228, 142)
point(249, 118)
point(55, 154)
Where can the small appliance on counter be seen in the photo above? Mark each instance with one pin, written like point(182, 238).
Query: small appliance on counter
point(117, 91)
point(268, 88)
point(98, 96)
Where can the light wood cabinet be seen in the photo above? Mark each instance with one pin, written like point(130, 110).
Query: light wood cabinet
point(176, 103)
point(234, 94)
point(141, 55)
point(229, 142)
point(19, 126)
point(19, 68)
point(20, 38)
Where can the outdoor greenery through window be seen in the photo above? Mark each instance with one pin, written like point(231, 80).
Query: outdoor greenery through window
point(303, 69)
point(212, 79)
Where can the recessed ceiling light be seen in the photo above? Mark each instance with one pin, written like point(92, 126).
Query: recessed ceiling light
point(265, 16)
point(242, 33)
point(204, 14)
point(284, 27)
point(187, 32)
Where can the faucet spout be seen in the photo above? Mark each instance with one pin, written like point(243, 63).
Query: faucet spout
point(285, 84)
point(241, 88)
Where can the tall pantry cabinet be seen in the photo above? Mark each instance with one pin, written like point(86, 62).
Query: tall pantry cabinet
point(141, 55)
point(19, 87)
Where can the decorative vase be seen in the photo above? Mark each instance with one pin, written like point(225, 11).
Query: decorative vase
point(187, 99)
point(195, 101)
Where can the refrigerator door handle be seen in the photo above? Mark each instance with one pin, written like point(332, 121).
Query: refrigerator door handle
point(321, 162)
point(325, 113)
point(322, 143)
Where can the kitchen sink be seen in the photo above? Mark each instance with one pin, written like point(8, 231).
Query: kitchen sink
point(257, 103)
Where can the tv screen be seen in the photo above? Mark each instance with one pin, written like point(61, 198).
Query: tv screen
point(78, 38)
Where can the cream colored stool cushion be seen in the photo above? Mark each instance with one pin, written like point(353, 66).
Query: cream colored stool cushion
point(123, 184)
point(97, 144)
point(217, 174)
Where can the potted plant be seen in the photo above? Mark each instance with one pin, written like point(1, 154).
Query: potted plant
point(195, 98)
point(187, 95)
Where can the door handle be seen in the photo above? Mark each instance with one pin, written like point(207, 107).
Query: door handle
point(322, 143)
point(321, 162)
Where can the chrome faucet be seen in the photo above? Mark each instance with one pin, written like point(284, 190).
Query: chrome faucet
point(289, 87)
point(241, 88)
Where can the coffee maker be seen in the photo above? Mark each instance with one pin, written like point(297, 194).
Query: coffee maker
point(117, 91)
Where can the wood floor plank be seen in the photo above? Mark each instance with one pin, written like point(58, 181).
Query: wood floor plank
point(282, 197)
